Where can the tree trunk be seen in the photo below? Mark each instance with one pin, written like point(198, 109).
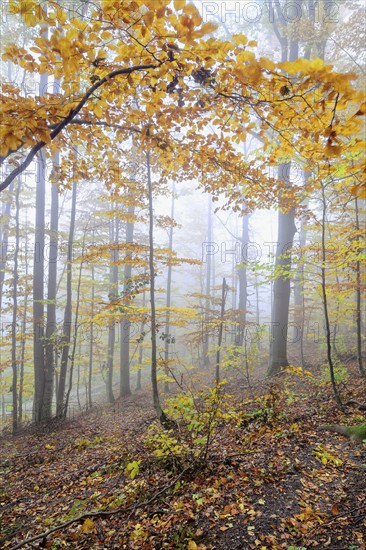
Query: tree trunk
point(15, 315)
point(91, 342)
point(154, 380)
point(38, 287)
point(286, 232)
point(125, 325)
point(51, 327)
point(65, 341)
point(325, 306)
point(169, 294)
point(141, 348)
point(208, 285)
point(221, 327)
point(243, 281)
point(113, 293)
point(358, 299)
point(4, 234)
point(24, 329)
point(281, 291)
point(76, 328)
point(5, 218)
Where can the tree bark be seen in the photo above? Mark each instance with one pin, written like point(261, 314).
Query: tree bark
point(243, 281)
point(281, 291)
point(358, 299)
point(14, 362)
point(51, 326)
point(154, 379)
point(75, 335)
point(65, 341)
point(125, 325)
point(221, 328)
point(169, 292)
point(24, 328)
point(113, 293)
point(286, 232)
point(141, 347)
point(209, 262)
point(91, 341)
point(325, 305)
point(38, 289)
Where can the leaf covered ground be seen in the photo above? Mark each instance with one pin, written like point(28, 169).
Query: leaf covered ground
point(267, 478)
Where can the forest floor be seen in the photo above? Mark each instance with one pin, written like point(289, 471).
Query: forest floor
point(269, 478)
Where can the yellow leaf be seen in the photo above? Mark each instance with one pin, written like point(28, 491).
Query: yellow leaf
point(149, 18)
point(359, 191)
point(179, 4)
point(88, 526)
point(316, 64)
point(61, 16)
point(333, 151)
point(190, 9)
point(240, 39)
point(106, 35)
point(208, 27)
point(192, 545)
point(98, 110)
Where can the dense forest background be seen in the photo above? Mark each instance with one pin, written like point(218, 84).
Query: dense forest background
point(205, 214)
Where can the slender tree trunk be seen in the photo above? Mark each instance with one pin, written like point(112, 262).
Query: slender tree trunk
point(299, 294)
point(257, 317)
point(125, 326)
point(325, 306)
point(15, 315)
point(358, 298)
point(141, 348)
point(38, 274)
point(208, 284)
point(51, 327)
point(5, 218)
point(4, 234)
point(221, 327)
point(243, 281)
point(38, 287)
point(169, 293)
point(91, 343)
point(78, 381)
point(65, 341)
point(154, 379)
point(24, 328)
point(76, 328)
point(113, 293)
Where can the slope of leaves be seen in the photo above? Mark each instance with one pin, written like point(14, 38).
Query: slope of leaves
point(272, 479)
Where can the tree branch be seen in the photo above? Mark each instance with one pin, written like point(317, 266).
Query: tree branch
point(61, 125)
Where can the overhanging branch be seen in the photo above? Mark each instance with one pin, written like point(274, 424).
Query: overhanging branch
point(61, 125)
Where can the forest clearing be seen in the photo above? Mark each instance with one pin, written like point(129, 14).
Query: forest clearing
point(182, 274)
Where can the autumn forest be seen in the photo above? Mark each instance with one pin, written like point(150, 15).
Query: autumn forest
point(182, 274)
